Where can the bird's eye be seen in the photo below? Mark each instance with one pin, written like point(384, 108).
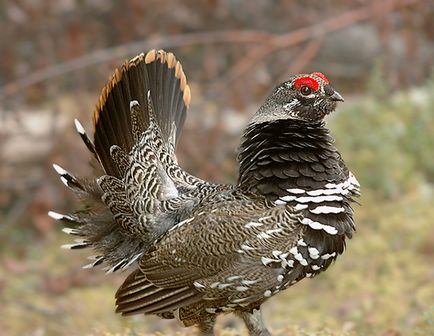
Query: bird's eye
point(305, 90)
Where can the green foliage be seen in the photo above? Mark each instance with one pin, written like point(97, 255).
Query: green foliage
point(377, 83)
point(389, 142)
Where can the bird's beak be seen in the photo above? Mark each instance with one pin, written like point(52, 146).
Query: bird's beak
point(336, 96)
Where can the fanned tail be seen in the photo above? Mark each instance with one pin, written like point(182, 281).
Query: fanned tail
point(137, 123)
point(156, 72)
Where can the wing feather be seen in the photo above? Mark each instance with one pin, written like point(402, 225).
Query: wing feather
point(175, 272)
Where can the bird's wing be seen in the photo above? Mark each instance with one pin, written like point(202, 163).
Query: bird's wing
point(223, 250)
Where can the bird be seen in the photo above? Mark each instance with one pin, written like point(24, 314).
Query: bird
point(197, 249)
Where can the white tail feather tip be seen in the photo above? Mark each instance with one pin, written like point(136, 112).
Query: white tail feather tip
point(93, 257)
point(70, 231)
point(133, 103)
point(79, 127)
point(59, 169)
point(55, 215)
point(88, 266)
point(64, 181)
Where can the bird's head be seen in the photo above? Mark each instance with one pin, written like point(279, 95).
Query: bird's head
point(305, 97)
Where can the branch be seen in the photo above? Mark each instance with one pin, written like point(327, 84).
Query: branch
point(269, 43)
point(306, 55)
point(109, 54)
point(316, 31)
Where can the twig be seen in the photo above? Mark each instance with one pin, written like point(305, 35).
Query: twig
point(306, 55)
point(278, 42)
point(109, 54)
point(268, 43)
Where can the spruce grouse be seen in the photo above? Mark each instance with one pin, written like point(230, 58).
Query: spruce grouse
point(198, 249)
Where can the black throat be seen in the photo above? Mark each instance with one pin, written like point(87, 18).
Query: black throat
point(278, 155)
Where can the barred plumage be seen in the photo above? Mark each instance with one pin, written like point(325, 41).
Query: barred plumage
point(201, 249)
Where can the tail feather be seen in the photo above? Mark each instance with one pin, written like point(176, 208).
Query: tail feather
point(120, 158)
point(89, 144)
point(101, 229)
point(136, 193)
point(97, 260)
point(67, 178)
point(156, 72)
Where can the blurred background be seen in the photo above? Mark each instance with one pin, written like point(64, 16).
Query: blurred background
point(55, 57)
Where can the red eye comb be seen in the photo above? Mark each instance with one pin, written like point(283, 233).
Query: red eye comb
point(307, 81)
point(322, 76)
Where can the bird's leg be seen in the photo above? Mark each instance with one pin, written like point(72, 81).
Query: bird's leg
point(206, 327)
point(254, 322)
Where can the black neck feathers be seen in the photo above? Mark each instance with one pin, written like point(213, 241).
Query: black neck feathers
point(278, 155)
